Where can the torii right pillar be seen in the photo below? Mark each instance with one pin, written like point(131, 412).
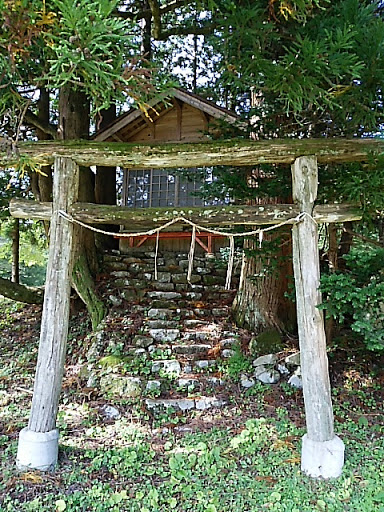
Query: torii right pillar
point(322, 454)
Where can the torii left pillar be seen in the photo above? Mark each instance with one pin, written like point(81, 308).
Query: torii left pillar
point(38, 443)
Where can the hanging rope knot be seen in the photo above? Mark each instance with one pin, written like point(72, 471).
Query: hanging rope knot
point(303, 215)
point(66, 216)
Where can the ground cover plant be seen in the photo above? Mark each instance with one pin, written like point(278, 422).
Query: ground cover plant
point(245, 457)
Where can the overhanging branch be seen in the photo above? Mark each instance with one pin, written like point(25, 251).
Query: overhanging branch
point(33, 120)
point(185, 31)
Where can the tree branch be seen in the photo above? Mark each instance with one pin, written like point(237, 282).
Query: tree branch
point(185, 31)
point(49, 129)
point(366, 239)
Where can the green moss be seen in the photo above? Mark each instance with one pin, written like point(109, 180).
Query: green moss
point(111, 361)
point(267, 342)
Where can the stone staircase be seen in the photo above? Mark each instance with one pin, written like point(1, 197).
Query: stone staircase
point(178, 335)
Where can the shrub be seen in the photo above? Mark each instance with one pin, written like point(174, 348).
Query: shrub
point(355, 298)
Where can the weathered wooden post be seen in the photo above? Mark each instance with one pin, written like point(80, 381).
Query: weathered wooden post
point(322, 452)
point(38, 443)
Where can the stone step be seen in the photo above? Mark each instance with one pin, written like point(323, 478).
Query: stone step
point(199, 366)
point(189, 323)
point(201, 308)
point(164, 335)
point(191, 349)
point(166, 314)
point(183, 353)
point(201, 403)
point(199, 382)
point(170, 367)
point(132, 386)
point(179, 329)
point(142, 341)
point(197, 336)
point(162, 324)
point(165, 296)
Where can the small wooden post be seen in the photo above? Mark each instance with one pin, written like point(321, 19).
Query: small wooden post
point(38, 443)
point(322, 452)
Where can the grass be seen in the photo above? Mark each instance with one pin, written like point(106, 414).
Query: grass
point(244, 458)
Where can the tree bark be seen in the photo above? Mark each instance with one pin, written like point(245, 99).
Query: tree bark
point(332, 267)
point(45, 180)
point(260, 302)
point(345, 244)
point(41, 183)
point(146, 44)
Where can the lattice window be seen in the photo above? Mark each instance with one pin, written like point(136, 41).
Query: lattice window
point(153, 188)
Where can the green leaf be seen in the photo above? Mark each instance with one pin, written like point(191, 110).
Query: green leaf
point(363, 422)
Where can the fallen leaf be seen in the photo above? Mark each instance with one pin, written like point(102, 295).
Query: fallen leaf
point(279, 444)
point(292, 460)
point(266, 479)
point(33, 478)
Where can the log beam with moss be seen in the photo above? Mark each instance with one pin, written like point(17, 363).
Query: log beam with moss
point(21, 292)
point(172, 155)
point(148, 218)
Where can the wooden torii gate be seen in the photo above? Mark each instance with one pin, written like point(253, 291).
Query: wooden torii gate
point(322, 450)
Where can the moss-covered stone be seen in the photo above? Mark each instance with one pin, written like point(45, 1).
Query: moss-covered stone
point(121, 385)
point(110, 361)
point(267, 342)
point(210, 280)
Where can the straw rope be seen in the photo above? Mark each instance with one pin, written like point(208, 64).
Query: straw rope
point(195, 227)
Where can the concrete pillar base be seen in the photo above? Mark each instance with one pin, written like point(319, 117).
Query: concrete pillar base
point(37, 450)
point(322, 459)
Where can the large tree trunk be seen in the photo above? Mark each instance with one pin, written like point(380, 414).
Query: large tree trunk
point(345, 245)
point(74, 124)
point(105, 187)
point(41, 183)
point(260, 302)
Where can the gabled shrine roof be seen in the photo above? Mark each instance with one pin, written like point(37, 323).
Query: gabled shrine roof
point(135, 120)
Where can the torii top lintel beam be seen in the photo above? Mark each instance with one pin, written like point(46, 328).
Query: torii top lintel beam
point(232, 153)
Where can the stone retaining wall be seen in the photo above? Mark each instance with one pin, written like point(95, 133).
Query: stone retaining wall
point(134, 274)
